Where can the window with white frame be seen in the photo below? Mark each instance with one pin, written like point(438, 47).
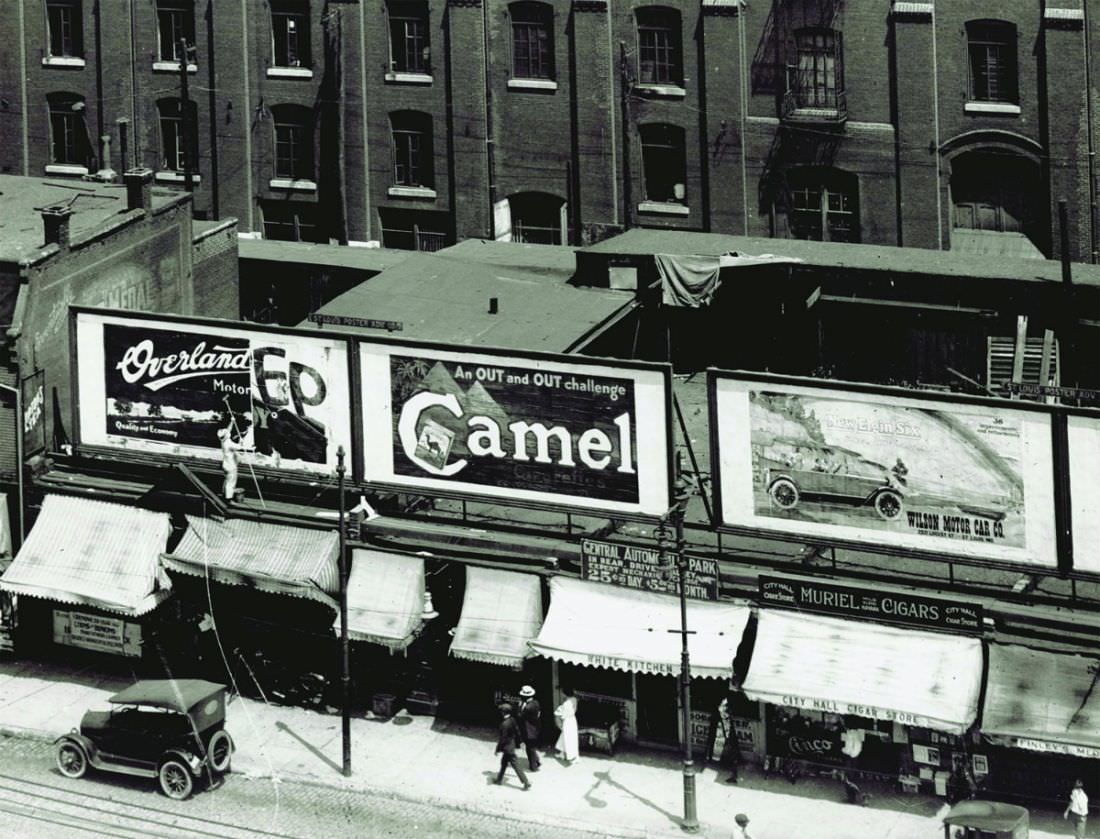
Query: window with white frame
point(175, 23)
point(65, 28)
point(172, 147)
point(69, 143)
point(290, 33)
point(664, 162)
point(412, 149)
point(410, 44)
point(293, 142)
point(532, 40)
point(659, 53)
point(824, 204)
point(991, 45)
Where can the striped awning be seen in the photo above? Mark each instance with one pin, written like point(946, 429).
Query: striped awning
point(501, 615)
point(385, 598)
point(270, 557)
point(637, 631)
point(93, 553)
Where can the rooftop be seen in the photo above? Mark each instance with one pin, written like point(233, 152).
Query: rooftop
point(445, 296)
point(331, 256)
point(93, 204)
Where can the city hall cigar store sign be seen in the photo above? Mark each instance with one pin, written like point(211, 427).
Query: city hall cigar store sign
point(521, 428)
point(850, 602)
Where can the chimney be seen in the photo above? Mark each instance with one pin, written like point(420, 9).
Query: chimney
point(493, 306)
point(139, 189)
point(56, 220)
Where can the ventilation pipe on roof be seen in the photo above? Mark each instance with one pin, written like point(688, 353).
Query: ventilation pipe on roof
point(493, 309)
point(56, 220)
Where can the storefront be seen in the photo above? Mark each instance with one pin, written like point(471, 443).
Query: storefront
point(619, 649)
point(1039, 725)
point(88, 580)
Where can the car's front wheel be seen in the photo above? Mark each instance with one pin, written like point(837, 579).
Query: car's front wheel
point(888, 504)
point(71, 761)
point(220, 750)
point(784, 493)
point(175, 779)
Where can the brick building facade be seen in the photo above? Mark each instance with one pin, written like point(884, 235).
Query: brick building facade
point(954, 126)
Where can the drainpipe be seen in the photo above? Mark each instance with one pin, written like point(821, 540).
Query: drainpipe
point(23, 90)
point(1093, 248)
point(936, 132)
point(489, 156)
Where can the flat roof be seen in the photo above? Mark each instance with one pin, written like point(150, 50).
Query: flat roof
point(21, 228)
point(445, 297)
point(842, 255)
point(331, 256)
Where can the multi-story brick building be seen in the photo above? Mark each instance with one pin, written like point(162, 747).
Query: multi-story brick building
point(949, 125)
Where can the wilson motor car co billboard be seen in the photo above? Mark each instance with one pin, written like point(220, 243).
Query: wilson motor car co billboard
point(169, 386)
point(883, 469)
point(524, 429)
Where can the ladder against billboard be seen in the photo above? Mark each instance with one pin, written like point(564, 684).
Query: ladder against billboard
point(178, 387)
point(561, 431)
point(882, 468)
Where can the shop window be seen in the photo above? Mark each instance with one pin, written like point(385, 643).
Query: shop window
point(991, 45)
point(65, 28)
point(290, 33)
point(410, 47)
point(69, 143)
point(173, 134)
point(817, 78)
point(538, 218)
point(175, 23)
point(532, 40)
point(664, 163)
point(290, 221)
point(659, 52)
point(412, 149)
point(293, 142)
point(824, 205)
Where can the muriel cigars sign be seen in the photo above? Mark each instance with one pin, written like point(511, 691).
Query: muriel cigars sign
point(574, 433)
point(172, 387)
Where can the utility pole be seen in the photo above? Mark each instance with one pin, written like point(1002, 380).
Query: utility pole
point(186, 133)
point(345, 669)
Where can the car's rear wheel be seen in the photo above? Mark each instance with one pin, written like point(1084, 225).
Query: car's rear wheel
point(784, 493)
point(888, 504)
point(220, 751)
point(71, 760)
point(175, 779)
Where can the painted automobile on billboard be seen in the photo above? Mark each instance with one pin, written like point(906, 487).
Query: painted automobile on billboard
point(1083, 433)
point(537, 430)
point(179, 387)
point(951, 478)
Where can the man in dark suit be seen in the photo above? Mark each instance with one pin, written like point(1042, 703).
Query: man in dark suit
point(509, 738)
point(530, 717)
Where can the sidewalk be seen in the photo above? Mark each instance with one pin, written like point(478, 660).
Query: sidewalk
point(634, 794)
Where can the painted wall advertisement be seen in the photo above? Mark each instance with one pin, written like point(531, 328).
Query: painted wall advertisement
point(1084, 491)
point(572, 433)
point(181, 388)
point(891, 471)
point(96, 632)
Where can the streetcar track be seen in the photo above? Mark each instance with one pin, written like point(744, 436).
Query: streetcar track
point(34, 816)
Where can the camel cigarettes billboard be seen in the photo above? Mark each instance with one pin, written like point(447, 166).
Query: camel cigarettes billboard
point(165, 386)
point(524, 429)
point(951, 478)
point(1084, 490)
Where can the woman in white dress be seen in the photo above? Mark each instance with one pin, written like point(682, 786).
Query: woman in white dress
point(566, 715)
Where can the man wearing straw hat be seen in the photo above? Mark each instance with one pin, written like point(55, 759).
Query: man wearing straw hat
point(530, 718)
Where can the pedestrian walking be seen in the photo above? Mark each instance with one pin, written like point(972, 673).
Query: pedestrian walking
point(568, 745)
point(1078, 808)
point(506, 745)
point(742, 829)
point(530, 719)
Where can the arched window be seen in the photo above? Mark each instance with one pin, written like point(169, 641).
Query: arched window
point(664, 162)
point(996, 191)
point(660, 54)
point(174, 133)
point(293, 142)
point(991, 45)
point(538, 218)
point(532, 40)
point(823, 204)
point(410, 42)
point(413, 164)
point(69, 142)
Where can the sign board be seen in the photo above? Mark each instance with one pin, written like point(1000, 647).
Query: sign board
point(34, 413)
point(573, 433)
point(862, 467)
point(365, 323)
point(700, 732)
point(642, 568)
point(97, 632)
point(1047, 746)
point(1083, 437)
point(173, 387)
point(1028, 389)
point(871, 604)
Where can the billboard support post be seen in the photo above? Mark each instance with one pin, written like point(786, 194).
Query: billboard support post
point(345, 674)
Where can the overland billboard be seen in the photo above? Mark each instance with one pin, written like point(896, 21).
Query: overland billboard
point(173, 387)
point(526, 429)
point(866, 467)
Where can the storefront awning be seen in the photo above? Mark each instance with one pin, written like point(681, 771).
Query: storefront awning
point(93, 553)
point(269, 557)
point(501, 614)
point(624, 629)
point(864, 669)
point(385, 598)
point(1048, 702)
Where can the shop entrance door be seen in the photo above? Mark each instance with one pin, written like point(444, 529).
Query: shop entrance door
point(658, 709)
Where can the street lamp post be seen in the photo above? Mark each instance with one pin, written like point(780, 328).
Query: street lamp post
point(345, 669)
point(690, 822)
point(18, 454)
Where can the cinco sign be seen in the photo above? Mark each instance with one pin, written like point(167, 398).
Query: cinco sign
point(573, 433)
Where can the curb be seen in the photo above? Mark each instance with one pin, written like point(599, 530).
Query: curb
point(36, 734)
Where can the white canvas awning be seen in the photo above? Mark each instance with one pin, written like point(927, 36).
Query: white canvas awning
point(501, 615)
point(385, 598)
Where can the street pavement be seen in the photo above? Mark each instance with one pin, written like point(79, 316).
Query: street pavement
point(426, 761)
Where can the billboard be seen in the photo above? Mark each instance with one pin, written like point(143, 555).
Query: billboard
point(946, 477)
point(1083, 433)
point(524, 429)
point(171, 387)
